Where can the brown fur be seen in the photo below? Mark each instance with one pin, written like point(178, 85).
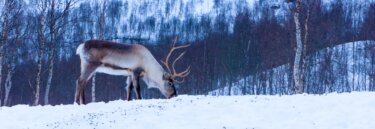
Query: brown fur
point(109, 45)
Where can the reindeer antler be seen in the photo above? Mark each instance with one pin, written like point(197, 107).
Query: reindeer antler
point(173, 70)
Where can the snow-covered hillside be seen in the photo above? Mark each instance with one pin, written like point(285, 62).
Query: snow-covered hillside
point(343, 68)
point(135, 14)
point(333, 111)
point(147, 18)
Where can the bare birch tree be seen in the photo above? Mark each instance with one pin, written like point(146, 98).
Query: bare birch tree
point(42, 8)
point(10, 19)
point(11, 51)
point(55, 25)
point(299, 61)
point(8, 80)
point(4, 35)
point(52, 45)
point(101, 24)
point(49, 20)
point(304, 53)
point(299, 49)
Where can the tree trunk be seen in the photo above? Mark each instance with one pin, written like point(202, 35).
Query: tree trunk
point(39, 71)
point(51, 52)
point(8, 83)
point(1, 68)
point(3, 38)
point(298, 55)
point(50, 75)
point(41, 49)
point(93, 96)
point(304, 53)
point(230, 85)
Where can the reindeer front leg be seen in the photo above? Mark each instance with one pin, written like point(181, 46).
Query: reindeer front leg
point(129, 87)
point(137, 87)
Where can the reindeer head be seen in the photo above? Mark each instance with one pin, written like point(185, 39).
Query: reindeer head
point(172, 76)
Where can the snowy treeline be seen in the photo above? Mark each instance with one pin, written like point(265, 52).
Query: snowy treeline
point(230, 40)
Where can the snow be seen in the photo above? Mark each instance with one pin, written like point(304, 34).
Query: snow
point(332, 111)
point(279, 77)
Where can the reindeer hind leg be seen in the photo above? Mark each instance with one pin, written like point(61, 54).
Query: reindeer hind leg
point(87, 71)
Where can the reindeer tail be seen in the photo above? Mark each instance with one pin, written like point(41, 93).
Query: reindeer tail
point(80, 49)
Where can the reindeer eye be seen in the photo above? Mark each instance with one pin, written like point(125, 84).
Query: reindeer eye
point(170, 83)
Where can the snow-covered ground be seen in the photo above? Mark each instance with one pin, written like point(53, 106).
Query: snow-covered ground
point(333, 111)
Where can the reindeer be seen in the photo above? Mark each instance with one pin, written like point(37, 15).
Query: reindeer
point(132, 60)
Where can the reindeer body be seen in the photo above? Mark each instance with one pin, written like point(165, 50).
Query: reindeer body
point(134, 61)
point(118, 59)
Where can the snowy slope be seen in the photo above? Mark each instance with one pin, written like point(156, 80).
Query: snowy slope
point(147, 18)
point(350, 68)
point(332, 111)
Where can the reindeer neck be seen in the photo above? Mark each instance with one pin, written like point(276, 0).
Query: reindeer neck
point(153, 71)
